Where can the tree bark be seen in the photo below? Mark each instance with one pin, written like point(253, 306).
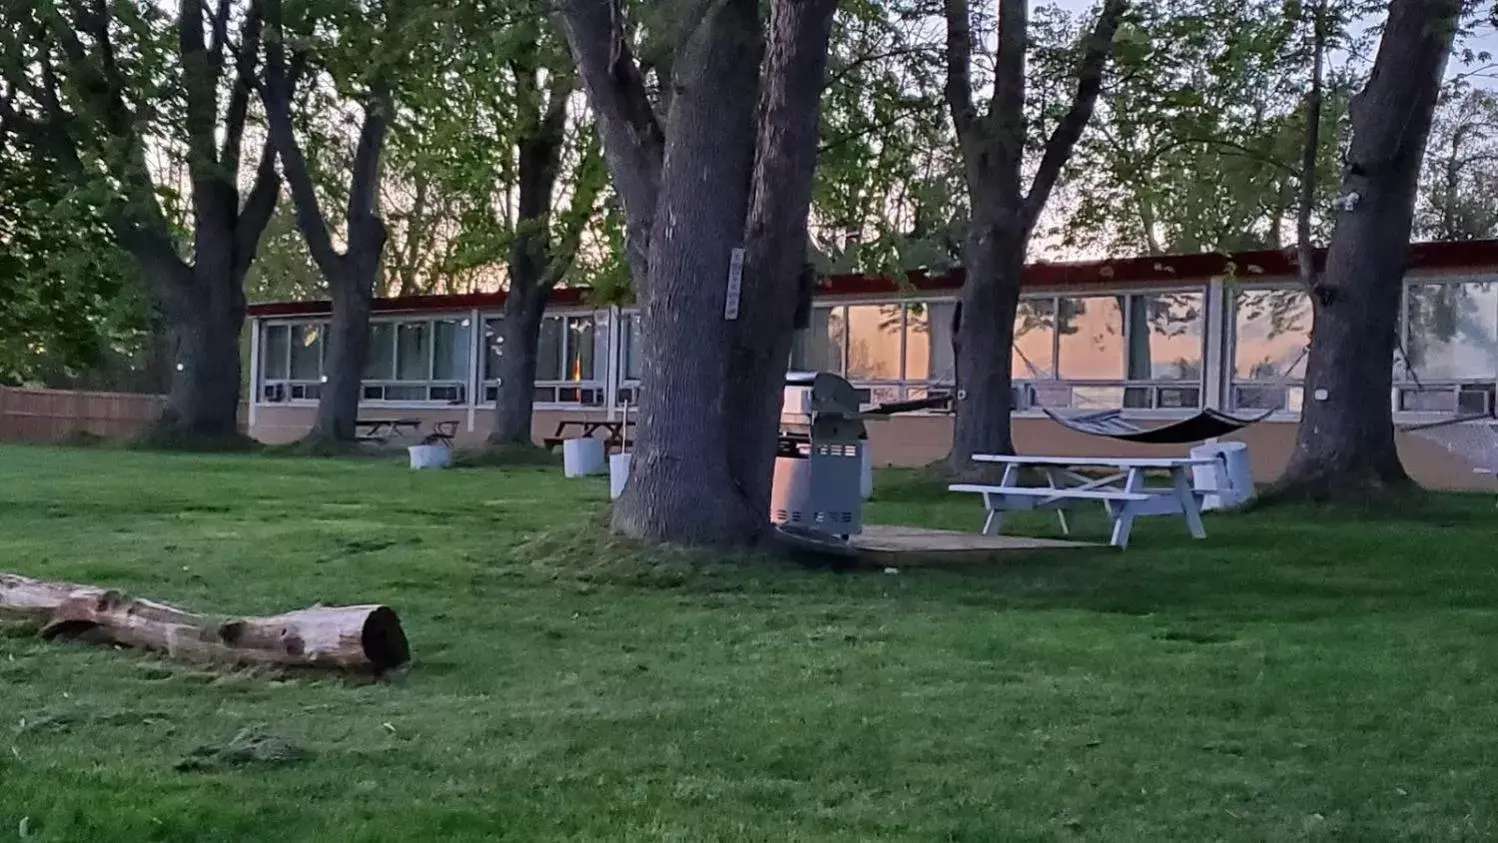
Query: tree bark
point(203, 325)
point(1345, 447)
point(994, 259)
point(681, 488)
point(361, 638)
point(347, 349)
point(520, 331)
point(775, 242)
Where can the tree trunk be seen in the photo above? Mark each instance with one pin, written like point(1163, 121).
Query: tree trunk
point(531, 276)
point(982, 343)
point(203, 332)
point(681, 488)
point(347, 349)
point(520, 333)
point(343, 637)
point(776, 242)
point(1345, 446)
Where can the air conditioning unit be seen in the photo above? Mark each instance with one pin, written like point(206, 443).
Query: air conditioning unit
point(273, 393)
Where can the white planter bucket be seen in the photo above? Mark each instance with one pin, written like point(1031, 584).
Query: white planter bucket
point(430, 456)
point(582, 457)
point(618, 475)
point(1228, 483)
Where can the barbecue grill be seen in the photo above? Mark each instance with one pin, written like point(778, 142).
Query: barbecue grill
point(819, 455)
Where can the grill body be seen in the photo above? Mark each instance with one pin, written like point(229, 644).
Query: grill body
point(819, 456)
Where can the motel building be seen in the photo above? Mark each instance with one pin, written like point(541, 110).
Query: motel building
point(1159, 338)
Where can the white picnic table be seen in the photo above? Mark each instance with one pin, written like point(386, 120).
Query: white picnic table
point(1123, 493)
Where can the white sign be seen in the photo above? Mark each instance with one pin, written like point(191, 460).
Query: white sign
point(735, 283)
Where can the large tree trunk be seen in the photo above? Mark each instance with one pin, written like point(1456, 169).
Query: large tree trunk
point(680, 487)
point(520, 332)
point(342, 637)
point(994, 260)
point(775, 242)
point(347, 349)
point(204, 323)
point(1345, 448)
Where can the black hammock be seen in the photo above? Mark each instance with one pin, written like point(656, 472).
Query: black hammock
point(1207, 424)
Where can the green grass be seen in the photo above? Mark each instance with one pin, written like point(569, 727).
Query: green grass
point(1297, 676)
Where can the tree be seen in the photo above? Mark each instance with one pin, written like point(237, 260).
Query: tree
point(520, 174)
point(1004, 213)
point(730, 166)
point(351, 273)
point(1345, 447)
point(1216, 87)
point(72, 304)
point(85, 84)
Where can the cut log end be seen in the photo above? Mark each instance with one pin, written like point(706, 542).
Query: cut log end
point(384, 640)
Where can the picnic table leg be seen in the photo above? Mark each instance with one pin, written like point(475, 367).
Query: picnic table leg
point(1123, 518)
point(1189, 506)
point(1051, 477)
point(993, 524)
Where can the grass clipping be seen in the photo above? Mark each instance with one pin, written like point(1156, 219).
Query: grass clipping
point(593, 553)
point(251, 746)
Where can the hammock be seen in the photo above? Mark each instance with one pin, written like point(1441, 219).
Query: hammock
point(1207, 424)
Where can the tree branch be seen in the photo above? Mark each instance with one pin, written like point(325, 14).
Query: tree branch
point(959, 87)
point(1305, 250)
point(245, 59)
point(1064, 137)
point(364, 184)
point(257, 210)
point(277, 96)
point(633, 141)
point(220, 39)
point(200, 85)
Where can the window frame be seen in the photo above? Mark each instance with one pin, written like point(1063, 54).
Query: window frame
point(596, 384)
point(1030, 392)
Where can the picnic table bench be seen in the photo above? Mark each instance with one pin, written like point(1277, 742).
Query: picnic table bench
point(618, 432)
point(1123, 492)
point(382, 431)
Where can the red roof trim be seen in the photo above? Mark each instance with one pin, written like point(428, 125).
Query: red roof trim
point(1166, 269)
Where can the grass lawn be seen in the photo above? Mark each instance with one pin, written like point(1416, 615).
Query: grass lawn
point(1297, 676)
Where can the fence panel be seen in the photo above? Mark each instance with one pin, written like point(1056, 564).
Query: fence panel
point(54, 415)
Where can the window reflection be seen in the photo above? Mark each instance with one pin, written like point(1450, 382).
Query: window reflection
point(1272, 328)
point(1452, 331)
point(874, 342)
point(1092, 341)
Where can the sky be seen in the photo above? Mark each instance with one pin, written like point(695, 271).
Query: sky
point(1484, 40)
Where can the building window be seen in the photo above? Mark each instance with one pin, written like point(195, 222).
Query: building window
point(1132, 350)
point(1451, 338)
point(291, 361)
point(898, 350)
point(568, 364)
point(418, 360)
point(1271, 328)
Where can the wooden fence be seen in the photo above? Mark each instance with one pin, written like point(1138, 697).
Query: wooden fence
point(54, 415)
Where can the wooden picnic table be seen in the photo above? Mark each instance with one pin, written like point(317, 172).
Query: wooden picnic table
point(1123, 492)
point(618, 432)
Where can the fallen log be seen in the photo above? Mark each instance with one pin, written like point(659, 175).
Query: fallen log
point(343, 637)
